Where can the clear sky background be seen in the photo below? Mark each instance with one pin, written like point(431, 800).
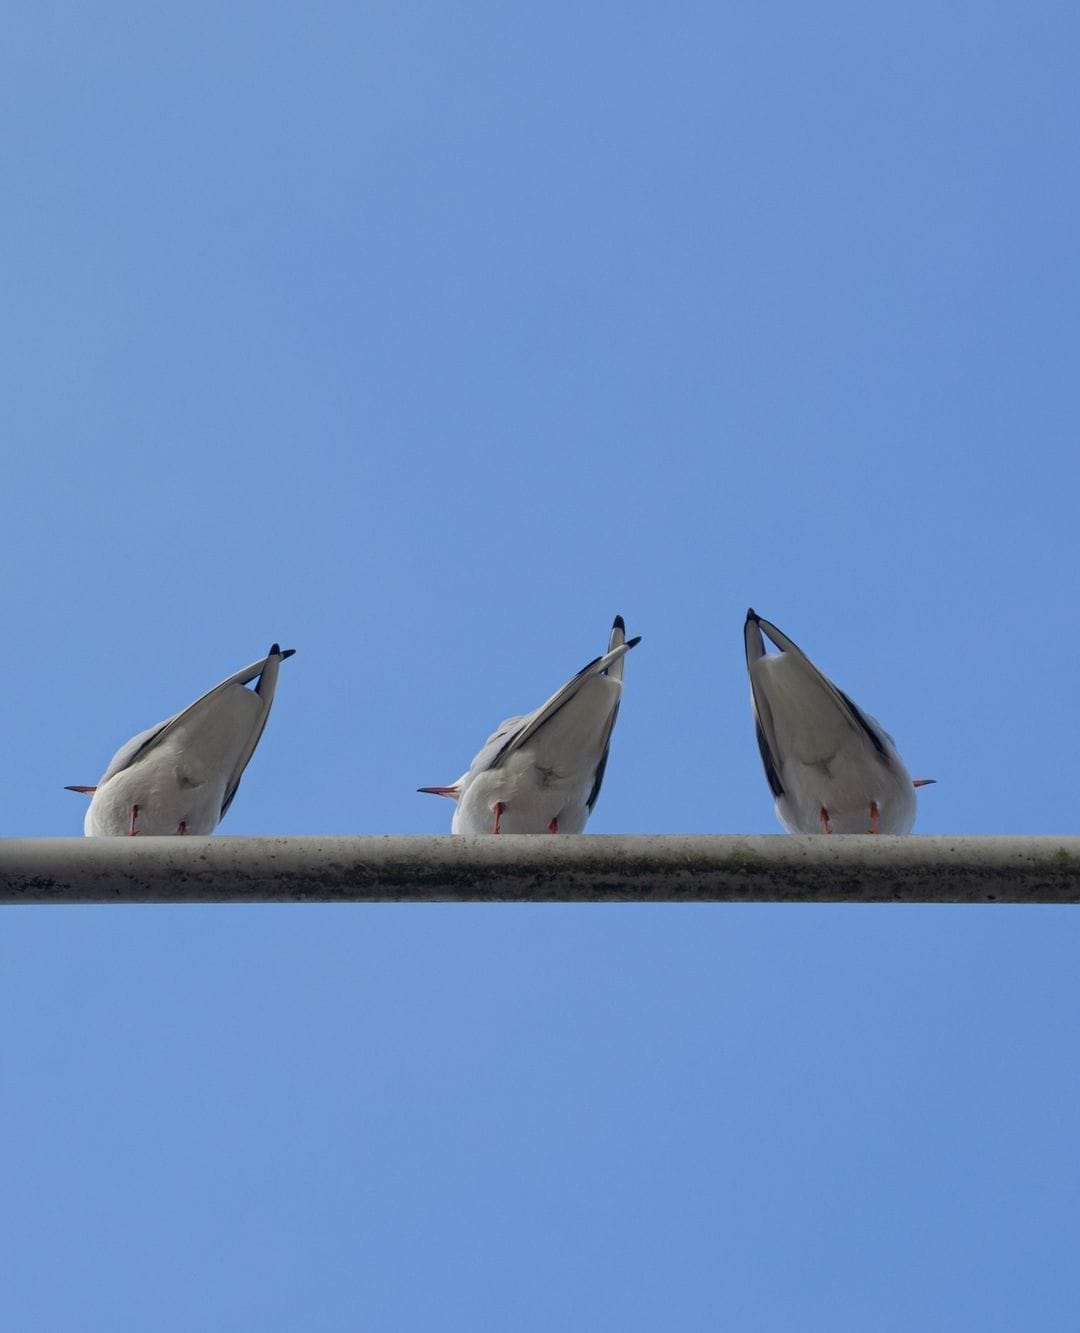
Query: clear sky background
point(424, 338)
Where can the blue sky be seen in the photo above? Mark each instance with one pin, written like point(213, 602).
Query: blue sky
point(424, 339)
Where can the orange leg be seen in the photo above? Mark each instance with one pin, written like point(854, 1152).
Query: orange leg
point(134, 819)
point(826, 827)
point(500, 806)
point(553, 827)
point(875, 818)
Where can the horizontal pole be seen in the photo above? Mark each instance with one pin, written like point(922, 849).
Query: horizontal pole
point(515, 868)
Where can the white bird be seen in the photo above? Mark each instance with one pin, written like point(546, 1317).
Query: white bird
point(181, 776)
point(541, 773)
point(831, 767)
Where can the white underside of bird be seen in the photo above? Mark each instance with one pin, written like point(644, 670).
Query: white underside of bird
point(832, 768)
point(541, 773)
point(180, 777)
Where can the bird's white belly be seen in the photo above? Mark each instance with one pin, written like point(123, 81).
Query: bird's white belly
point(846, 789)
point(169, 791)
point(531, 796)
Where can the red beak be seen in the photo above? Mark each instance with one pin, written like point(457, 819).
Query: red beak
point(923, 782)
point(86, 791)
point(439, 791)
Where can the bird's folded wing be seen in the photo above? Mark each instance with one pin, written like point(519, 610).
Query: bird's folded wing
point(615, 672)
point(145, 741)
point(598, 776)
point(617, 639)
point(241, 677)
point(534, 721)
point(763, 724)
point(495, 742)
point(755, 649)
point(133, 749)
point(267, 671)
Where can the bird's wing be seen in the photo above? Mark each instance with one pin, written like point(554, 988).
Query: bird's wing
point(766, 738)
point(615, 671)
point(133, 749)
point(616, 639)
point(494, 744)
point(142, 744)
point(267, 671)
point(755, 648)
point(542, 715)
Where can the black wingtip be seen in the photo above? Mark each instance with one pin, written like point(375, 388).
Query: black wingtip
point(277, 651)
point(633, 643)
point(751, 614)
point(619, 623)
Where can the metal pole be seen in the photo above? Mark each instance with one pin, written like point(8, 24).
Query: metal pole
point(588, 868)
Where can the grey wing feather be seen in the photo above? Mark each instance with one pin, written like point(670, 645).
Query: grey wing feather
point(616, 640)
point(132, 749)
point(878, 736)
point(267, 671)
point(534, 721)
point(265, 668)
point(615, 671)
point(881, 739)
point(755, 649)
point(598, 778)
point(772, 777)
point(495, 743)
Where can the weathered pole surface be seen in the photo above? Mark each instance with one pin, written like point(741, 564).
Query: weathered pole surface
point(588, 868)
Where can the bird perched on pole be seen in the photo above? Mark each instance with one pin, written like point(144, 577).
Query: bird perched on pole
point(181, 776)
point(541, 773)
point(831, 767)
